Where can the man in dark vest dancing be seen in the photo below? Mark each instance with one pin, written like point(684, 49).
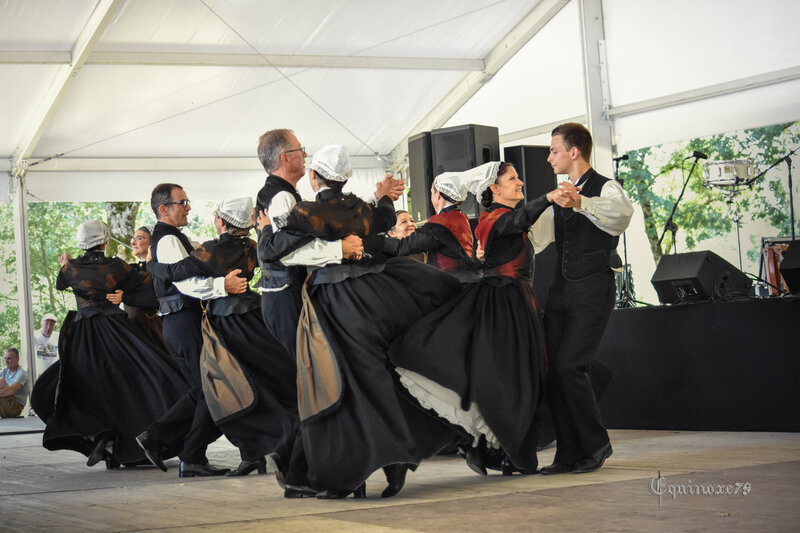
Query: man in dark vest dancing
point(187, 427)
point(589, 214)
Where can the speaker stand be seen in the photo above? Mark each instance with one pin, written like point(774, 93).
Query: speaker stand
point(626, 299)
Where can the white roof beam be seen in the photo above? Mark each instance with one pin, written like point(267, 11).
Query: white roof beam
point(537, 130)
point(202, 59)
point(711, 91)
point(166, 164)
point(595, 82)
point(37, 124)
point(523, 32)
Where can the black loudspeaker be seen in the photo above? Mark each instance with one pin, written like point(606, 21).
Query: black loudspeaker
point(462, 148)
point(539, 178)
point(420, 174)
point(533, 169)
point(790, 267)
point(697, 277)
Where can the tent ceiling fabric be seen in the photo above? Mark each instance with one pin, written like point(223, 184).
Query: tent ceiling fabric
point(379, 80)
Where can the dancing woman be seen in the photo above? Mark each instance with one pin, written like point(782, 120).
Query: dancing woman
point(355, 419)
point(446, 236)
point(479, 361)
point(113, 380)
point(146, 314)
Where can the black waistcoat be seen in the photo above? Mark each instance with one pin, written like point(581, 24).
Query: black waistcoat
point(583, 249)
point(294, 274)
point(170, 299)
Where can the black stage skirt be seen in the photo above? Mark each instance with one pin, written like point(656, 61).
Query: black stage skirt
point(112, 384)
point(148, 321)
point(375, 423)
point(272, 374)
point(487, 347)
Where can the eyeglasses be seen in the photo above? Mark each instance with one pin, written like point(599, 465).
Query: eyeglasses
point(184, 203)
point(301, 149)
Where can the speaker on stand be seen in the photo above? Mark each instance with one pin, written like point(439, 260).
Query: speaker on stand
point(462, 148)
point(420, 175)
point(539, 178)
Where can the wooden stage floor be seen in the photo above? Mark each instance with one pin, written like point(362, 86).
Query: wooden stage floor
point(55, 491)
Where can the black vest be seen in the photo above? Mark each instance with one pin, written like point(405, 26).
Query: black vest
point(170, 299)
point(583, 249)
point(274, 274)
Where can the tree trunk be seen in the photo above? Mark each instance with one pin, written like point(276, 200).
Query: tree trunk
point(121, 226)
point(650, 228)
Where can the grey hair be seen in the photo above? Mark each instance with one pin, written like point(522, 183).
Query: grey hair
point(270, 147)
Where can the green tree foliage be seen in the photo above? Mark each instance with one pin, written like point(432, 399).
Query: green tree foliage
point(655, 175)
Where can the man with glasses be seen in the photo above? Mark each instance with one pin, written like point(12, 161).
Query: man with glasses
point(283, 157)
point(187, 427)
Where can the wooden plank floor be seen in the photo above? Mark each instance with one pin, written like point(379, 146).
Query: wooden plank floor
point(55, 491)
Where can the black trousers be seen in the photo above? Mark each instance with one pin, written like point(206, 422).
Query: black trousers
point(281, 312)
point(187, 427)
point(575, 318)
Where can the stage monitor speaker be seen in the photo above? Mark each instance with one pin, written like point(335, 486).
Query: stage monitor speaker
point(462, 148)
point(539, 178)
point(420, 175)
point(697, 277)
point(790, 267)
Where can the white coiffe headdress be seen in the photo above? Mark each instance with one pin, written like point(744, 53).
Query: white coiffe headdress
point(332, 163)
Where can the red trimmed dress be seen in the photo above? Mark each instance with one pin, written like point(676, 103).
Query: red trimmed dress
point(447, 238)
point(479, 361)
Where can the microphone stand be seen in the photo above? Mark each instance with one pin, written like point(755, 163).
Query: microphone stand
point(670, 225)
point(791, 193)
point(627, 299)
point(788, 160)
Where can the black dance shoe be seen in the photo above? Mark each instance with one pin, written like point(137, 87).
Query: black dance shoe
point(99, 452)
point(201, 470)
point(245, 467)
point(595, 461)
point(152, 450)
point(475, 458)
point(396, 476)
point(556, 468)
point(298, 491)
point(330, 494)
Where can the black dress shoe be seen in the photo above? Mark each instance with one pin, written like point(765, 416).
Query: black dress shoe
point(245, 467)
point(475, 460)
point(396, 476)
point(330, 494)
point(202, 470)
point(152, 450)
point(595, 461)
point(298, 491)
point(556, 468)
point(98, 453)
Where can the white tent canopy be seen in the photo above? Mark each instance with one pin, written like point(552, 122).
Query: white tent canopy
point(181, 89)
point(101, 100)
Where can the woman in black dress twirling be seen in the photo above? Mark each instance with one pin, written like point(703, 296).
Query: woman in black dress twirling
point(113, 380)
point(479, 361)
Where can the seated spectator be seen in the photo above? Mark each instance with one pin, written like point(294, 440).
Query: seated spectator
point(46, 344)
point(15, 385)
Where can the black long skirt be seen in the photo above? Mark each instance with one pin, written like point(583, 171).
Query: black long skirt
point(487, 346)
point(112, 384)
point(375, 424)
point(271, 371)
